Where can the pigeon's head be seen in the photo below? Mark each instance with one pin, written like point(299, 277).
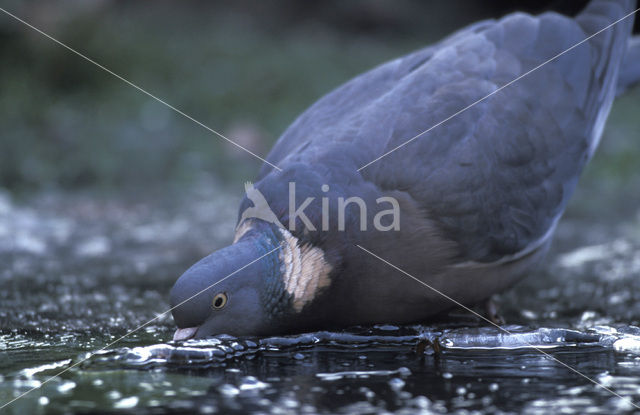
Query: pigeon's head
point(260, 285)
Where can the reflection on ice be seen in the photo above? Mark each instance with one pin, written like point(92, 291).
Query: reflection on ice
point(218, 350)
point(80, 273)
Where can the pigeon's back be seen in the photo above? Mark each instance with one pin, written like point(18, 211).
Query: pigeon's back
point(496, 176)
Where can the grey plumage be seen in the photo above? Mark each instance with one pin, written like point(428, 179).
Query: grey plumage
point(480, 195)
point(497, 177)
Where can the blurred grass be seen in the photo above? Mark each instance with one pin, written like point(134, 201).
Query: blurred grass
point(67, 123)
point(244, 72)
point(609, 188)
point(620, 145)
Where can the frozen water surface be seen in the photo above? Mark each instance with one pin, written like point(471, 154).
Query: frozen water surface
point(79, 271)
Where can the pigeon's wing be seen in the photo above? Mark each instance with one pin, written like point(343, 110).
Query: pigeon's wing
point(337, 107)
point(496, 176)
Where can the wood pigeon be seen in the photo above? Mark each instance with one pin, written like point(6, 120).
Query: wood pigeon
point(468, 207)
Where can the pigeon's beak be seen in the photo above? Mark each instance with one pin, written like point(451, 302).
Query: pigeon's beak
point(184, 334)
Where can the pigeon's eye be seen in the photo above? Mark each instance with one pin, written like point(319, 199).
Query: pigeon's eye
point(220, 300)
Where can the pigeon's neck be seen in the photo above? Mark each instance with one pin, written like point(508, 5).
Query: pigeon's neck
point(302, 272)
point(303, 199)
point(306, 270)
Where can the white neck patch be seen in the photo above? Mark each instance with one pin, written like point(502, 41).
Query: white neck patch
point(306, 270)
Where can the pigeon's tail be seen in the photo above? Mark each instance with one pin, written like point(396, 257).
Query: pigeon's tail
point(610, 44)
point(630, 70)
point(600, 13)
point(607, 24)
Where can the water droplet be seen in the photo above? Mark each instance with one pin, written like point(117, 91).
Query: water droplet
point(387, 327)
point(251, 383)
point(114, 395)
point(126, 403)
point(404, 371)
point(396, 384)
point(421, 402)
point(627, 345)
point(229, 390)
point(66, 387)
point(207, 409)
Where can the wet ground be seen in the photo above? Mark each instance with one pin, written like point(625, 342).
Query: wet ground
point(80, 270)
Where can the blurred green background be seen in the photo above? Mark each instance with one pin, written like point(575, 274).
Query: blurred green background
point(243, 68)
